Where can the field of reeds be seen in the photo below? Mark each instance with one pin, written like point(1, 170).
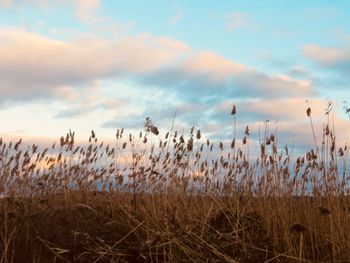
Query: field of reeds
point(173, 197)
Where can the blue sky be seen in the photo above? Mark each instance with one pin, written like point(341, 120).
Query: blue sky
point(103, 65)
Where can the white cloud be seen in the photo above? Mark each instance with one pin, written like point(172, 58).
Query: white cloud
point(236, 21)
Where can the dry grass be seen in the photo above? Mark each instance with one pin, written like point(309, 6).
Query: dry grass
point(174, 199)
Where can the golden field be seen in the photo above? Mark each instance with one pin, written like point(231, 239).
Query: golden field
point(172, 197)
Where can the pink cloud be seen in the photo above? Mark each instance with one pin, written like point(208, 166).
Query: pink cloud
point(284, 109)
point(327, 56)
point(32, 63)
point(213, 64)
point(84, 8)
point(289, 116)
point(34, 66)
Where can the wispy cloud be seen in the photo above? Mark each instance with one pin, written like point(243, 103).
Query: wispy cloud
point(236, 21)
point(328, 56)
point(176, 17)
point(85, 9)
point(5, 3)
point(87, 100)
point(299, 71)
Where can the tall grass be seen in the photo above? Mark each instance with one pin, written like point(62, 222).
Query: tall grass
point(174, 198)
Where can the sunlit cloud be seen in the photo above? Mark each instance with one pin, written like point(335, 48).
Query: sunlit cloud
point(88, 100)
point(209, 73)
point(85, 9)
point(338, 57)
point(71, 71)
point(109, 67)
point(37, 66)
point(287, 117)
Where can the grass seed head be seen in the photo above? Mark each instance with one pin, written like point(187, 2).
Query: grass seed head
point(233, 111)
point(308, 112)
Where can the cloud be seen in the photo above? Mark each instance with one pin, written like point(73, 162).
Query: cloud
point(287, 116)
point(329, 57)
point(210, 74)
point(85, 9)
point(5, 3)
point(176, 17)
point(299, 71)
point(45, 4)
point(164, 71)
point(35, 66)
point(270, 60)
point(288, 108)
point(236, 21)
point(256, 84)
point(38, 67)
point(86, 101)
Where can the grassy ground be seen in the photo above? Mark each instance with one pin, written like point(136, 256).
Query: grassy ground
point(109, 227)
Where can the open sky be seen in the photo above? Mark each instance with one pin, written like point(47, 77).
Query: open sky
point(103, 65)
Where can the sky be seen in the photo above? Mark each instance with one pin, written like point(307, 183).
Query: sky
point(102, 65)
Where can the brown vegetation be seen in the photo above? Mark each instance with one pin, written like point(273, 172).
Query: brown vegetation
point(174, 199)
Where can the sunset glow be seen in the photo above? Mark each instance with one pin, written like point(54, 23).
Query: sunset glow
point(104, 65)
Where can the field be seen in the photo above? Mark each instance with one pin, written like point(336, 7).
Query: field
point(155, 197)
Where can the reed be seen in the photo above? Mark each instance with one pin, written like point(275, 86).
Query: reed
point(174, 198)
